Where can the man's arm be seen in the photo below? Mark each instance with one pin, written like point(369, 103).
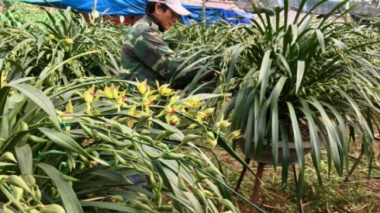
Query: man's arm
point(155, 54)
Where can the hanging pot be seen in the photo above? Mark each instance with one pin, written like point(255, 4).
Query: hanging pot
point(265, 154)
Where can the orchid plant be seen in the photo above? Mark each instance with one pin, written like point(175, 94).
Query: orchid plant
point(75, 148)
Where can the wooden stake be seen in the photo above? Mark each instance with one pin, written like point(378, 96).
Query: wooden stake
point(256, 187)
point(242, 174)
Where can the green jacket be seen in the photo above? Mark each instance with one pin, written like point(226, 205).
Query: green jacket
point(145, 55)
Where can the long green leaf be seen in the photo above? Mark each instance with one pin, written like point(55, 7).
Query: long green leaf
point(38, 97)
point(321, 40)
point(285, 153)
point(249, 130)
point(297, 134)
point(65, 190)
point(64, 141)
point(332, 134)
point(285, 63)
point(235, 53)
point(299, 149)
point(4, 111)
point(275, 134)
point(25, 159)
point(342, 134)
point(264, 74)
point(314, 139)
point(300, 73)
point(299, 11)
point(359, 114)
point(332, 11)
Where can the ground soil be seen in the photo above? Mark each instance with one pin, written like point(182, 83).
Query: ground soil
point(361, 193)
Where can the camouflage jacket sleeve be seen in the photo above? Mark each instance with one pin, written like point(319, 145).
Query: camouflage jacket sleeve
point(155, 54)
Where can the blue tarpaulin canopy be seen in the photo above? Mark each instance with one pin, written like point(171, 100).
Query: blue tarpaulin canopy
point(137, 8)
point(215, 14)
point(106, 7)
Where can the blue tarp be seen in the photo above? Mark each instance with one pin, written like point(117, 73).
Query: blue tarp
point(137, 7)
point(215, 14)
point(106, 7)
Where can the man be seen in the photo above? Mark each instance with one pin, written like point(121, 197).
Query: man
point(145, 55)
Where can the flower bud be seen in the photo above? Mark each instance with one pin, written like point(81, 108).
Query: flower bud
point(107, 92)
point(19, 182)
point(53, 208)
point(142, 87)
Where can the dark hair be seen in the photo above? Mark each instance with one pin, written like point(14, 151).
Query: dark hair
point(151, 5)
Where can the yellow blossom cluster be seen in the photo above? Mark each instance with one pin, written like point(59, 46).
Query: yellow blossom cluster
point(156, 103)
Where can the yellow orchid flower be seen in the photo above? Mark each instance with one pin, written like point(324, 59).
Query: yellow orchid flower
point(192, 102)
point(164, 90)
point(147, 100)
point(69, 40)
point(69, 108)
point(202, 115)
point(89, 94)
point(107, 92)
point(173, 120)
point(51, 36)
point(88, 97)
point(170, 110)
point(173, 99)
point(209, 111)
point(145, 103)
point(222, 124)
point(189, 103)
point(62, 116)
point(111, 92)
point(115, 92)
point(132, 112)
point(142, 87)
point(120, 101)
point(210, 138)
point(234, 135)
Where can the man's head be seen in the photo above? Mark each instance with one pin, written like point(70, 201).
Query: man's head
point(167, 12)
